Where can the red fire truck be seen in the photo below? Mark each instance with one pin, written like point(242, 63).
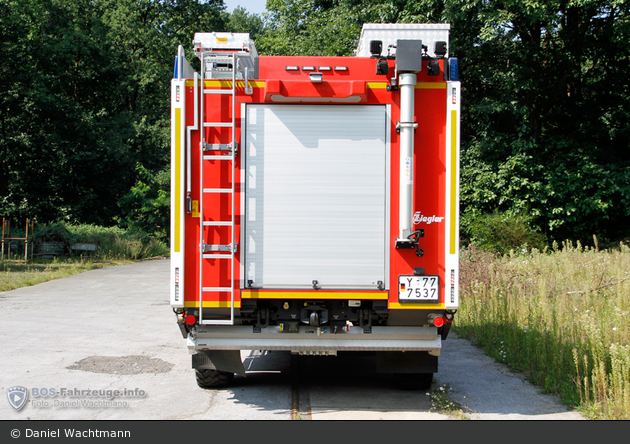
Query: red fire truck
point(315, 201)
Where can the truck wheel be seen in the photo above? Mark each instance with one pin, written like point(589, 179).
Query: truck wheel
point(414, 381)
point(207, 378)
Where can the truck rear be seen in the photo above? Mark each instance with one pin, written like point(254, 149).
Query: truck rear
point(315, 201)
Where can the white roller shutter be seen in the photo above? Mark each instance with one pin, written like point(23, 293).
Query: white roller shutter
point(315, 196)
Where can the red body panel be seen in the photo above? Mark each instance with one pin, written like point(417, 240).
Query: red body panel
point(358, 84)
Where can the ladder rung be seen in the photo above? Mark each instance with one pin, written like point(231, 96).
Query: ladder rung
point(215, 62)
point(218, 124)
point(218, 91)
point(218, 223)
point(217, 289)
point(217, 256)
point(217, 190)
point(214, 58)
point(224, 157)
point(217, 67)
point(216, 322)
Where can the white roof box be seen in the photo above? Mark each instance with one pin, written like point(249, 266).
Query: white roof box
point(224, 41)
point(390, 33)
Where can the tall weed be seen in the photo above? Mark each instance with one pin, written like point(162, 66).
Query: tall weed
point(561, 316)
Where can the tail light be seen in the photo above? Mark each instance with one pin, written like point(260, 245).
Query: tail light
point(438, 321)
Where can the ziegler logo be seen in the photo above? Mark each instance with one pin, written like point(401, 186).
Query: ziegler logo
point(418, 218)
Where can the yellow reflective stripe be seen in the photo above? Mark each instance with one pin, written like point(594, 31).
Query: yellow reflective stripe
point(319, 294)
point(399, 306)
point(261, 84)
point(431, 85)
point(212, 304)
point(376, 85)
point(177, 172)
point(422, 85)
point(227, 83)
point(453, 179)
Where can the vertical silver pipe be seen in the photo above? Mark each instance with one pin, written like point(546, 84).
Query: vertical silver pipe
point(180, 62)
point(195, 127)
point(407, 86)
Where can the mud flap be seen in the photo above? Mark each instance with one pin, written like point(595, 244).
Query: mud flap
point(221, 360)
point(406, 362)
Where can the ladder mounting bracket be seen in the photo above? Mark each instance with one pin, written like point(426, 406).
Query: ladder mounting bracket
point(210, 248)
point(221, 147)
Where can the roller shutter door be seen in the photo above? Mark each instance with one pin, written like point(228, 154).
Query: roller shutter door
point(315, 196)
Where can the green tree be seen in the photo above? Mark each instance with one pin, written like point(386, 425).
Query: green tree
point(242, 21)
point(545, 113)
point(60, 107)
point(542, 82)
point(146, 207)
point(86, 99)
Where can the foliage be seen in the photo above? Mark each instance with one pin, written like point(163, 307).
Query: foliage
point(542, 81)
point(146, 207)
point(545, 111)
point(113, 242)
point(500, 232)
point(571, 196)
point(309, 27)
point(86, 100)
point(242, 21)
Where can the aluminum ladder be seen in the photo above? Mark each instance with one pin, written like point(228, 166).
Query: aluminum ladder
point(222, 64)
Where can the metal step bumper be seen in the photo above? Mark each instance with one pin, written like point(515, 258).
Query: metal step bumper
point(316, 339)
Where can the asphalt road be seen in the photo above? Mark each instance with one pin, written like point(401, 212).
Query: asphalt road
point(85, 336)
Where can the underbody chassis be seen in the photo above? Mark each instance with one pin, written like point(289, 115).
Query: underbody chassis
point(411, 349)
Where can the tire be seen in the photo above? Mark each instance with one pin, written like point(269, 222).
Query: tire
point(207, 378)
point(414, 381)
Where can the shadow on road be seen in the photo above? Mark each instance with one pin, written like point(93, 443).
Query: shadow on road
point(346, 386)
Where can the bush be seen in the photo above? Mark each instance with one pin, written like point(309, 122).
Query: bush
point(147, 206)
point(502, 232)
point(112, 241)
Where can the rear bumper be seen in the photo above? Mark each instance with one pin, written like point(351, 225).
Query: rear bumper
point(312, 339)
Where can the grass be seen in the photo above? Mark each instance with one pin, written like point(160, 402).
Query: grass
point(115, 247)
point(560, 316)
point(16, 274)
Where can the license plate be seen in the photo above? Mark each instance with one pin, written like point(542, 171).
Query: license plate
point(418, 288)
